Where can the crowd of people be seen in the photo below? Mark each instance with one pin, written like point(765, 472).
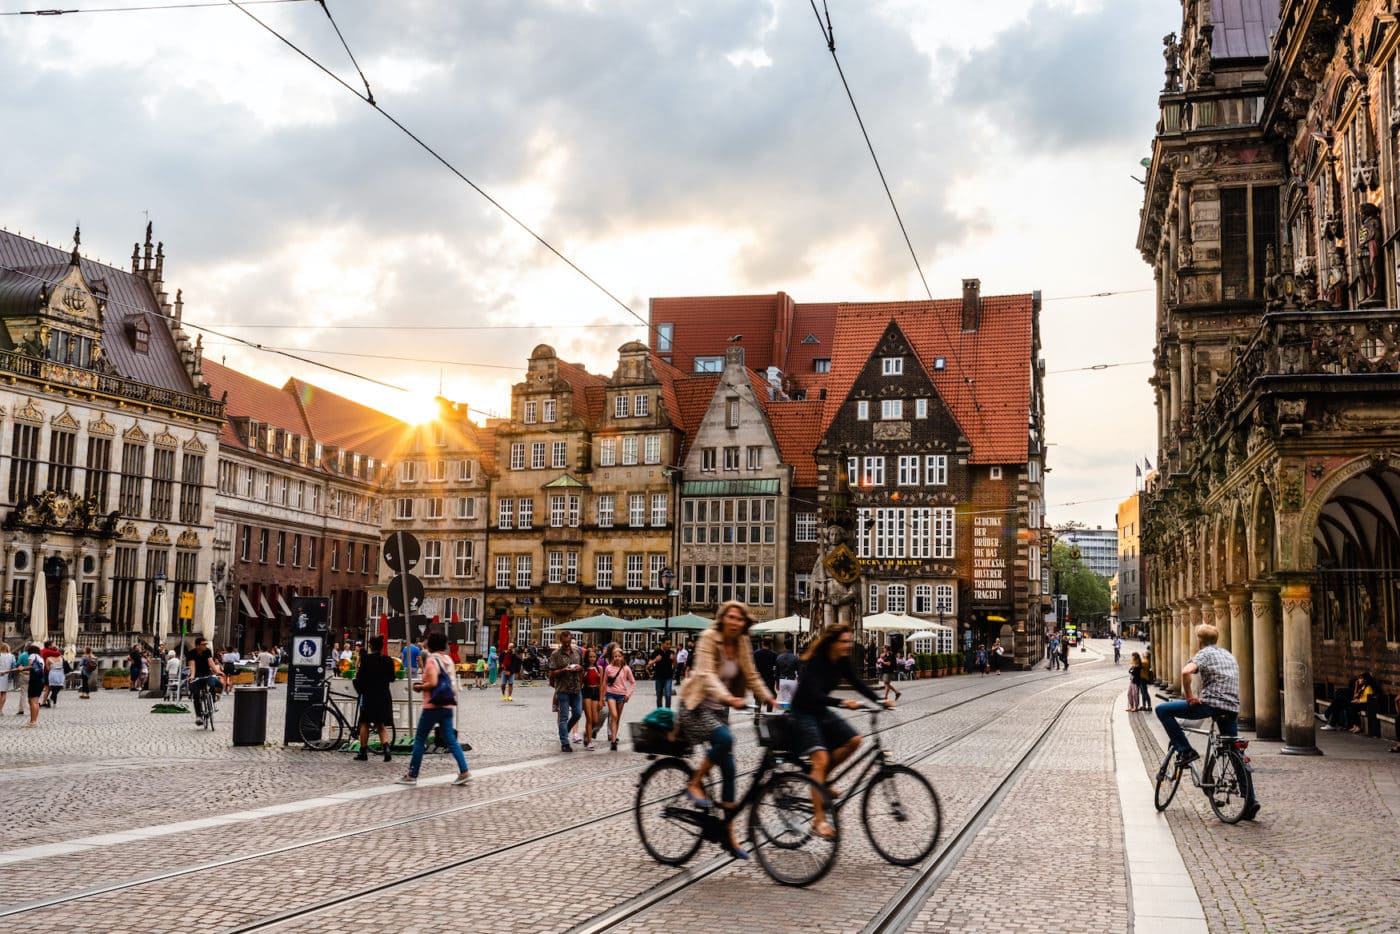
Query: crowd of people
point(41, 674)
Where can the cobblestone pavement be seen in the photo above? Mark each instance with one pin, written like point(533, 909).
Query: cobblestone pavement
point(1322, 856)
point(1050, 858)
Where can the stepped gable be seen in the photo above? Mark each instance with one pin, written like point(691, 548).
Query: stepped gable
point(346, 424)
point(797, 427)
point(30, 266)
point(996, 356)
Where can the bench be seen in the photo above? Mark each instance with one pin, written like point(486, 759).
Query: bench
point(1382, 714)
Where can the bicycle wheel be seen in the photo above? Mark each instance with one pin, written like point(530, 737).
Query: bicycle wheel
point(208, 709)
point(321, 728)
point(1168, 780)
point(1228, 786)
point(901, 815)
point(780, 826)
point(671, 827)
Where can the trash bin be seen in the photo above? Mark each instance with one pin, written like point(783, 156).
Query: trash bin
point(249, 716)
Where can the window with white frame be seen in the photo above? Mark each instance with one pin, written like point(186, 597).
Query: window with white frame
point(707, 460)
point(556, 567)
point(731, 412)
point(464, 471)
point(605, 511)
point(641, 405)
point(652, 452)
point(575, 505)
point(942, 532)
point(821, 364)
point(921, 408)
point(755, 457)
point(621, 406)
point(873, 472)
point(731, 458)
point(523, 630)
point(892, 366)
point(655, 565)
point(920, 531)
point(908, 470)
point(806, 527)
point(891, 533)
point(603, 572)
point(550, 408)
point(532, 409)
point(801, 588)
point(863, 409)
point(557, 510)
point(709, 364)
point(517, 455)
point(408, 472)
point(1033, 471)
point(466, 507)
point(559, 454)
point(607, 452)
point(525, 513)
point(636, 509)
point(659, 508)
point(923, 599)
point(571, 567)
point(503, 572)
point(437, 471)
point(944, 604)
point(537, 455)
point(896, 598)
point(996, 473)
point(636, 567)
point(874, 598)
point(524, 567)
point(629, 450)
point(434, 507)
point(891, 409)
point(936, 469)
point(462, 558)
point(432, 558)
point(505, 516)
point(403, 508)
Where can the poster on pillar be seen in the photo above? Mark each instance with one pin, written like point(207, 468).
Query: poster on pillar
point(991, 574)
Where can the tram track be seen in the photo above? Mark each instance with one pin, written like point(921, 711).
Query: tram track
point(896, 913)
point(385, 826)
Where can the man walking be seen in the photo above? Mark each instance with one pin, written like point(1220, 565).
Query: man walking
point(765, 662)
point(566, 674)
point(510, 667)
point(663, 668)
point(1117, 650)
point(263, 677)
point(787, 666)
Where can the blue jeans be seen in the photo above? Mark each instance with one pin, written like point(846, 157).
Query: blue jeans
point(1227, 720)
point(722, 754)
point(663, 689)
point(570, 711)
point(427, 721)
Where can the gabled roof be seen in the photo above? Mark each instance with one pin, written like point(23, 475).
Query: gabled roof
point(486, 445)
point(668, 376)
point(986, 381)
point(252, 398)
point(346, 424)
point(693, 395)
point(589, 390)
point(798, 428)
point(1243, 27)
point(30, 265)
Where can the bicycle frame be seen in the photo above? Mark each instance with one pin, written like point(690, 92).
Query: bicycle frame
point(870, 759)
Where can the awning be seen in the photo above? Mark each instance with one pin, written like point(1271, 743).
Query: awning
point(247, 604)
point(267, 610)
point(731, 488)
point(286, 610)
point(996, 619)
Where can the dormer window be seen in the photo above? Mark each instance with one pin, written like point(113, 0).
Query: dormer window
point(141, 336)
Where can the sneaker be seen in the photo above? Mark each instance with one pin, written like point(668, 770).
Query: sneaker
point(1186, 758)
point(565, 747)
point(1328, 726)
point(462, 777)
point(574, 737)
point(587, 747)
point(198, 722)
point(408, 780)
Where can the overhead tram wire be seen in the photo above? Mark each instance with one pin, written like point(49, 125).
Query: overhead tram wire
point(426, 327)
point(141, 8)
point(829, 34)
point(441, 159)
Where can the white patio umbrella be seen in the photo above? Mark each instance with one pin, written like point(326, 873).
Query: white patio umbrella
point(162, 626)
point(788, 624)
point(923, 634)
point(39, 610)
point(892, 622)
point(206, 618)
point(70, 620)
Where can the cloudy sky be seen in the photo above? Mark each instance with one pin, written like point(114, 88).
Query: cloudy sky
point(668, 148)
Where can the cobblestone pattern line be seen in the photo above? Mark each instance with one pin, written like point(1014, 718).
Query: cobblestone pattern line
point(1320, 858)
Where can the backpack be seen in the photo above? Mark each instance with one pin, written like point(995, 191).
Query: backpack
point(89, 665)
point(444, 694)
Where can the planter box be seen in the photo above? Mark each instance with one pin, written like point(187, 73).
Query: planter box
point(924, 674)
point(111, 682)
point(941, 673)
point(243, 677)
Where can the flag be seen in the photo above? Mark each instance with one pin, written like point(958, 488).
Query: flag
point(1138, 468)
point(384, 625)
point(1148, 463)
point(503, 633)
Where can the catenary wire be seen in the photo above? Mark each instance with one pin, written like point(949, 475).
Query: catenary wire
point(139, 8)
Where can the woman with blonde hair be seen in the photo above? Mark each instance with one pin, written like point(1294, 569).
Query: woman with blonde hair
point(722, 673)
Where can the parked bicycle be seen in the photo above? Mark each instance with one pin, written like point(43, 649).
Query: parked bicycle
point(323, 726)
point(1223, 774)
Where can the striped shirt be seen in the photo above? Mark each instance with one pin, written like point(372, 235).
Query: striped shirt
point(1220, 678)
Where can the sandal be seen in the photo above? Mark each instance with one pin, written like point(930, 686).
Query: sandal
point(824, 830)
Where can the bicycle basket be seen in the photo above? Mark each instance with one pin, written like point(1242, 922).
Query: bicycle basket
point(773, 731)
point(654, 740)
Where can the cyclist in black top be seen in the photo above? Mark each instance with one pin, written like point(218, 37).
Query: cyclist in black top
point(817, 731)
point(202, 676)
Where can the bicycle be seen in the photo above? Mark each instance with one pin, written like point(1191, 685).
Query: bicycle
point(323, 725)
point(1223, 775)
point(202, 695)
point(778, 801)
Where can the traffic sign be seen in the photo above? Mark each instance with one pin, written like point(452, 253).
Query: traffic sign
point(397, 586)
point(401, 552)
point(187, 605)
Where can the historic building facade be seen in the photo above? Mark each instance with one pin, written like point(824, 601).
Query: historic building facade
point(1271, 204)
point(110, 435)
point(1127, 605)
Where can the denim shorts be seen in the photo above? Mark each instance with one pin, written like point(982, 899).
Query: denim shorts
point(620, 698)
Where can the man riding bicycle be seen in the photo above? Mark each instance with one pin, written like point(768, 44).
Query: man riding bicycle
point(201, 673)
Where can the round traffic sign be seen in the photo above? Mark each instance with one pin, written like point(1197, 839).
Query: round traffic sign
point(401, 552)
point(396, 594)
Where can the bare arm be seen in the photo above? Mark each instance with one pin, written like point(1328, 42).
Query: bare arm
point(1186, 673)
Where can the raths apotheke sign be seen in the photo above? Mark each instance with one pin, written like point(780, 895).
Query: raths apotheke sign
point(625, 601)
point(989, 577)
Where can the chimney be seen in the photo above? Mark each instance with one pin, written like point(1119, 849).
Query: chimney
point(972, 304)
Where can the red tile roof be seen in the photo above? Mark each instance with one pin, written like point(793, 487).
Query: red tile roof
point(589, 396)
point(486, 441)
point(693, 395)
point(252, 398)
point(346, 424)
point(993, 410)
point(669, 375)
point(704, 324)
point(798, 427)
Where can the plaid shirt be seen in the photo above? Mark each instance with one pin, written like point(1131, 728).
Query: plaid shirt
point(1220, 678)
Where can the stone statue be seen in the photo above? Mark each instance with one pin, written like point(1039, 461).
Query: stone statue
point(1171, 51)
point(1369, 266)
point(835, 579)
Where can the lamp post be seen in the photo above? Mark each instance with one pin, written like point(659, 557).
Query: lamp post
point(668, 577)
point(159, 581)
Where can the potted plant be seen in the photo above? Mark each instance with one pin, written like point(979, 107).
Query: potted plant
point(115, 678)
point(923, 664)
point(940, 664)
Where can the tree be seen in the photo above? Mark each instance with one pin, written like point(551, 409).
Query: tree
point(1088, 592)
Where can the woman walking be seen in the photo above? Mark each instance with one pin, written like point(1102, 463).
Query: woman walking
point(1133, 690)
point(1142, 672)
point(372, 680)
point(87, 665)
point(887, 666)
point(722, 673)
point(439, 709)
point(592, 678)
point(38, 671)
point(7, 680)
point(619, 683)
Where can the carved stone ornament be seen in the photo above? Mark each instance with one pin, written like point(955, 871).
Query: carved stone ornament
point(1204, 156)
point(195, 446)
point(188, 539)
point(29, 412)
point(1290, 415)
point(61, 512)
point(160, 535)
point(135, 435)
point(166, 440)
point(130, 532)
point(101, 427)
point(891, 431)
point(1290, 488)
point(65, 421)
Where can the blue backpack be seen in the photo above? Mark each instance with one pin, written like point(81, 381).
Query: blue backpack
point(444, 694)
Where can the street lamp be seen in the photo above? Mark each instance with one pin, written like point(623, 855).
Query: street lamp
point(668, 577)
